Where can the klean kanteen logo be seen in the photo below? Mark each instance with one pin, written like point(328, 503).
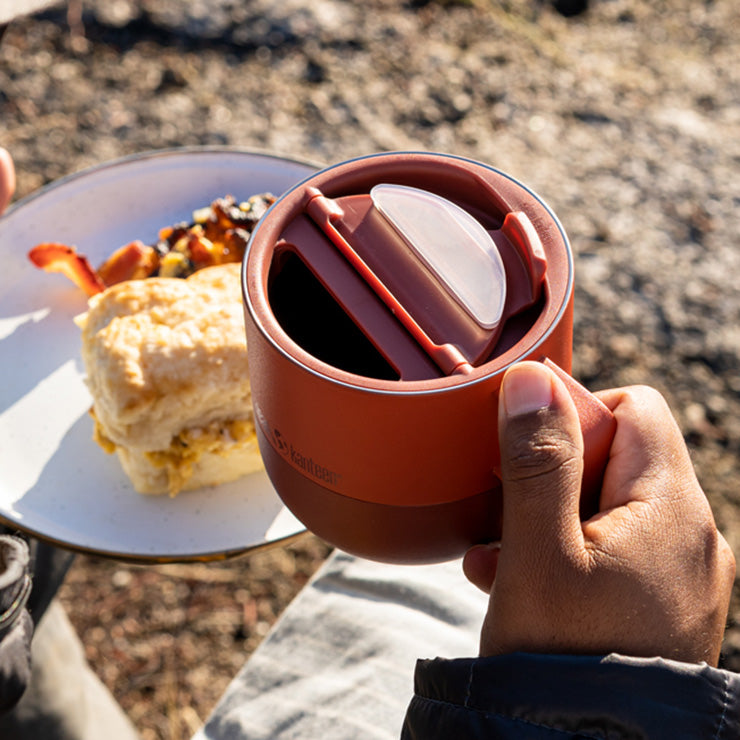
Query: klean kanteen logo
point(304, 462)
point(280, 444)
point(312, 468)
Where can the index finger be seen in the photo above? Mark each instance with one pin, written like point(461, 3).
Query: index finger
point(648, 455)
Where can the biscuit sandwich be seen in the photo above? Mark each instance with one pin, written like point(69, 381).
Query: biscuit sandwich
point(166, 365)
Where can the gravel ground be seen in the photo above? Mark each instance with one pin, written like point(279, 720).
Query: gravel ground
point(625, 118)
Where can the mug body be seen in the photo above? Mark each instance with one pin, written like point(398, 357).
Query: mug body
point(393, 461)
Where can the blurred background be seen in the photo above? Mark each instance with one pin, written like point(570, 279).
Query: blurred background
point(624, 115)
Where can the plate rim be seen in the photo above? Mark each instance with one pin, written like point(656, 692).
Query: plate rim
point(151, 154)
point(155, 558)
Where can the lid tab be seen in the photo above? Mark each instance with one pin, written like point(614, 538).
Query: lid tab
point(452, 245)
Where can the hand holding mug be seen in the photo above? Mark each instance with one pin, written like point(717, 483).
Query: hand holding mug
point(649, 575)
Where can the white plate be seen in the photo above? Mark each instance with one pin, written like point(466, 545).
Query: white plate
point(55, 482)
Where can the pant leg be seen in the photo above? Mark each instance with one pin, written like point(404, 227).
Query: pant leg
point(65, 699)
point(339, 663)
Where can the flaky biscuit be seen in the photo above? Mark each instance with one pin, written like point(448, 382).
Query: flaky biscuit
point(166, 360)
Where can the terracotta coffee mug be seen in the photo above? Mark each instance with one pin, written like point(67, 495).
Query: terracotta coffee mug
point(375, 378)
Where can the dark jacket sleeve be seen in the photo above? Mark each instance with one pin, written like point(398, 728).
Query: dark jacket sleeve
point(556, 697)
point(16, 626)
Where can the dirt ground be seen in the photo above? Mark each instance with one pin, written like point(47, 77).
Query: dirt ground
point(625, 118)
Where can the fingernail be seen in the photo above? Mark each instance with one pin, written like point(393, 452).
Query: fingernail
point(526, 388)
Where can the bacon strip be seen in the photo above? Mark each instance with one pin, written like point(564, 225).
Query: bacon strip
point(55, 257)
point(133, 261)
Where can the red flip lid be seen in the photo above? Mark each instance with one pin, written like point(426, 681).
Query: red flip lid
point(449, 282)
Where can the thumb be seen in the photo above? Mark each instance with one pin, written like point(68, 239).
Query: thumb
point(7, 178)
point(541, 463)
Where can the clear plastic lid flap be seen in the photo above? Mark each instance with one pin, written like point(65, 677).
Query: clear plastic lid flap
point(452, 244)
